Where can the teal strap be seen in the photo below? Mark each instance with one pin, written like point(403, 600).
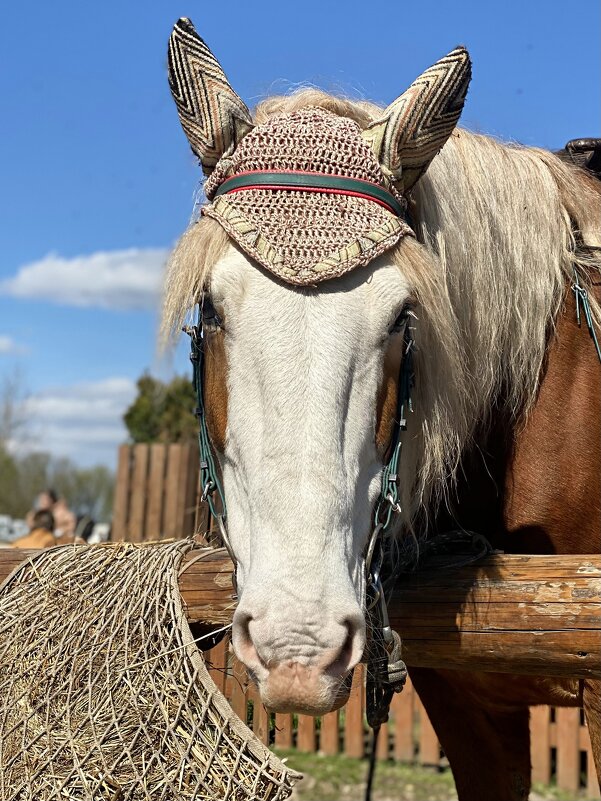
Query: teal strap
point(312, 181)
point(389, 502)
point(581, 295)
point(209, 475)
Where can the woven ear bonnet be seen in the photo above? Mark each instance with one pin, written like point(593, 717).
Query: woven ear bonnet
point(212, 115)
point(307, 194)
point(416, 125)
point(305, 237)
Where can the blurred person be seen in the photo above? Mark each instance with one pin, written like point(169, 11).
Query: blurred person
point(41, 534)
point(64, 520)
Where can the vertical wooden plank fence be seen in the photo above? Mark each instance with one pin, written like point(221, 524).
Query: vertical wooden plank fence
point(157, 497)
point(561, 750)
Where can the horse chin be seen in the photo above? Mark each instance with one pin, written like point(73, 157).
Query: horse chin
point(332, 694)
point(344, 692)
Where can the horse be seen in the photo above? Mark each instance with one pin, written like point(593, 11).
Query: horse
point(486, 265)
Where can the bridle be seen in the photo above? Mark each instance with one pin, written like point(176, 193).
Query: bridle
point(387, 672)
point(210, 481)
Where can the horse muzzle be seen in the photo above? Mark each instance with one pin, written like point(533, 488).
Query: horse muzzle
point(297, 671)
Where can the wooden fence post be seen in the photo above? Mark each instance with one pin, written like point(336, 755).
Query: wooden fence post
point(238, 697)
point(540, 744)
point(139, 494)
point(354, 733)
point(305, 738)
point(429, 747)
point(402, 714)
point(122, 495)
point(568, 749)
point(260, 721)
point(383, 745)
point(329, 734)
point(173, 509)
point(156, 492)
point(216, 660)
point(592, 782)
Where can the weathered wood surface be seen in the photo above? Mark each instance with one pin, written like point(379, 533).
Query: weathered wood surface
point(156, 493)
point(538, 615)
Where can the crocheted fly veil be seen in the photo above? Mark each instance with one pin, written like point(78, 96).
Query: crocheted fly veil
point(309, 195)
point(103, 693)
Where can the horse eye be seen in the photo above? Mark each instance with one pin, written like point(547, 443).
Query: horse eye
point(401, 320)
point(210, 318)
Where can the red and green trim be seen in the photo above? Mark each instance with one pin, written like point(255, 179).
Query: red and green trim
point(312, 182)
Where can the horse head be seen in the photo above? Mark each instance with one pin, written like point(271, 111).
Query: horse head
point(307, 273)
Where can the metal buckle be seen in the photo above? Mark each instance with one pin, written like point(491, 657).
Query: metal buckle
point(371, 547)
point(207, 490)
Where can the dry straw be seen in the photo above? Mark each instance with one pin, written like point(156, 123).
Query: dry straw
point(103, 693)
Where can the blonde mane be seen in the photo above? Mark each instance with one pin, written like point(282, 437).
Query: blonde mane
point(501, 228)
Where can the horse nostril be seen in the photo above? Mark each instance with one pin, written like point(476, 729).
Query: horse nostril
point(351, 651)
point(242, 641)
point(347, 649)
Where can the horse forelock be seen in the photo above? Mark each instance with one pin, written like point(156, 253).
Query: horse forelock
point(496, 225)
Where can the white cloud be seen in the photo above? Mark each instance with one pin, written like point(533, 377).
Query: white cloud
point(9, 347)
point(83, 421)
point(118, 279)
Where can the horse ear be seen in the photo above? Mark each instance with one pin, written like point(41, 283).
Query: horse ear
point(212, 115)
point(417, 124)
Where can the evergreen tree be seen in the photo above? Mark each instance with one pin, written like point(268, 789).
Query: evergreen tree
point(162, 412)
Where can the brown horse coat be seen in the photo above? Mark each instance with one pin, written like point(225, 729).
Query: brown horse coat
point(533, 488)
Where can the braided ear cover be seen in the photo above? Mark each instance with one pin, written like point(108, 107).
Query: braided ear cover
point(417, 124)
point(212, 115)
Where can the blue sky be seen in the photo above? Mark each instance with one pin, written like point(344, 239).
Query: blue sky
point(98, 181)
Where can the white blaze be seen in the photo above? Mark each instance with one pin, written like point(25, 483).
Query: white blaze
point(300, 468)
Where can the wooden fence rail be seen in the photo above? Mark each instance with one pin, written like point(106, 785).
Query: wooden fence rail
point(500, 624)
